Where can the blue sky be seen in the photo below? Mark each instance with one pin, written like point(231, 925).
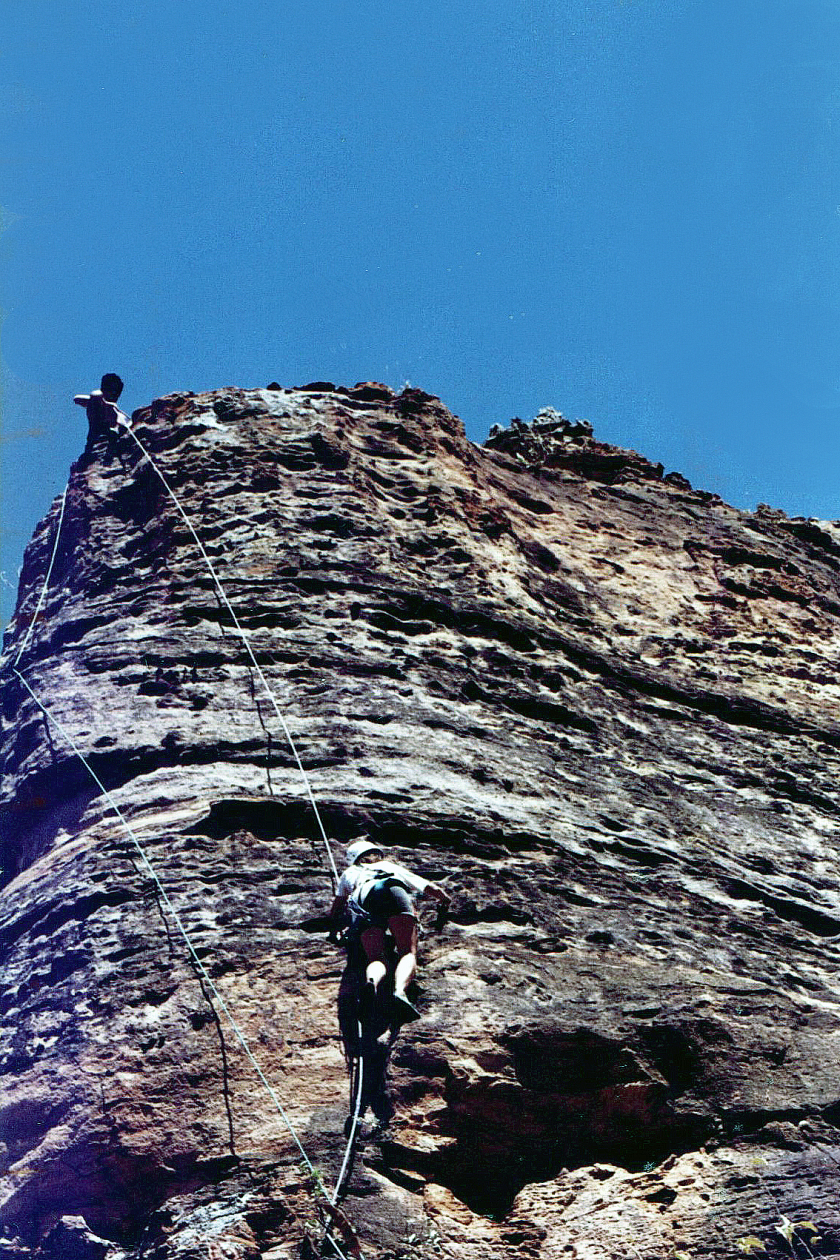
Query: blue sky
point(627, 209)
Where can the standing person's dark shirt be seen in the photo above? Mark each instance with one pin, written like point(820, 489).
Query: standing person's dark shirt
point(104, 416)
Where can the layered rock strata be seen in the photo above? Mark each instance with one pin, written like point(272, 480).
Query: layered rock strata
point(599, 706)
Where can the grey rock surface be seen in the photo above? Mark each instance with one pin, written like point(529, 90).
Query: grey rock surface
point(599, 706)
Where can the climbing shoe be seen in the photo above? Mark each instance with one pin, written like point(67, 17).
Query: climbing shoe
point(403, 1011)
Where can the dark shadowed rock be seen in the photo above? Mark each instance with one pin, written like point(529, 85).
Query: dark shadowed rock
point(70, 1239)
point(599, 706)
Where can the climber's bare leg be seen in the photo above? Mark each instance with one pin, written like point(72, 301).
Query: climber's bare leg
point(404, 931)
point(373, 943)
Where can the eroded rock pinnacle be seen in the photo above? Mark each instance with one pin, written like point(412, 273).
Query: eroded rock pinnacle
point(599, 706)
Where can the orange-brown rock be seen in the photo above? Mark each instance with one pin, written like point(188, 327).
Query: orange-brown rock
point(599, 706)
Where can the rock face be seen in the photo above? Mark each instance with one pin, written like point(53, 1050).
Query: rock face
point(599, 706)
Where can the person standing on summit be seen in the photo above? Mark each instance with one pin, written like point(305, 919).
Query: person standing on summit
point(104, 416)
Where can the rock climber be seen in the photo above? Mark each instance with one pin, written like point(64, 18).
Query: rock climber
point(378, 896)
point(104, 416)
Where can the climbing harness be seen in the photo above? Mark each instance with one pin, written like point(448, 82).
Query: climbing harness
point(336, 1217)
point(356, 921)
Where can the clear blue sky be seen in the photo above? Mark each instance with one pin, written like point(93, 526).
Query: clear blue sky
point(627, 209)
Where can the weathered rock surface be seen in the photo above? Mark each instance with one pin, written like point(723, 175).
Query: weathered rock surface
point(600, 706)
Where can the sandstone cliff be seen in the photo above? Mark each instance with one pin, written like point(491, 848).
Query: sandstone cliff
point(598, 705)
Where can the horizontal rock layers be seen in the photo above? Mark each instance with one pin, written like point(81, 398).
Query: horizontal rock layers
point(599, 706)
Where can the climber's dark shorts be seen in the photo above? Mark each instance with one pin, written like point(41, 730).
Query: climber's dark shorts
point(385, 900)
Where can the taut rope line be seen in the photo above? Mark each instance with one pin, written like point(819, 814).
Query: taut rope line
point(316, 1179)
point(42, 596)
point(360, 1076)
point(269, 693)
point(292, 745)
point(331, 1200)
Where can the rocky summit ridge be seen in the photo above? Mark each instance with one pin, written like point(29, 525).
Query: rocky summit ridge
point(599, 706)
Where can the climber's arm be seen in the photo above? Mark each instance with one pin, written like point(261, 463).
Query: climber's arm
point(336, 920)
point(339, 902)
point(439, 894)
point(423, 887)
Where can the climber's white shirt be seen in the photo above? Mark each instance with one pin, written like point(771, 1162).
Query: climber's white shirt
point(358, 880)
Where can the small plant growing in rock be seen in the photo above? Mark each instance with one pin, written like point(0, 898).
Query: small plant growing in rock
point(315, 1177)
point(795, 1233)
point(416, 1242)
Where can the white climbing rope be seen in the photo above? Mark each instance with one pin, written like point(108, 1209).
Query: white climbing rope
point(238, 1032)
point(42, 596)
point(269, 693)
point(360, 1061)
point(292, 745)
point(315, 1176)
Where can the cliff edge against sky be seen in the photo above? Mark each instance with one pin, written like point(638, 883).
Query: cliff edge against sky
point(600, 706)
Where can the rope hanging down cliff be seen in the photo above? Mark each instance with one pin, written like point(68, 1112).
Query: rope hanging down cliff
point(351, 1137)
point(315, 1176)
point(337, 1218)
point(43, 594)
point(247, 646)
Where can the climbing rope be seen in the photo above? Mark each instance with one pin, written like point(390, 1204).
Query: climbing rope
point(351, 1140)
point(223, 595)
point(292, 745)
point(269, 693)
point(336, 1217)
point(315, 1176)
point(42, 596)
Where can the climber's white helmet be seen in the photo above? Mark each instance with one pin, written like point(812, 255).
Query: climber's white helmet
point(359, 848)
